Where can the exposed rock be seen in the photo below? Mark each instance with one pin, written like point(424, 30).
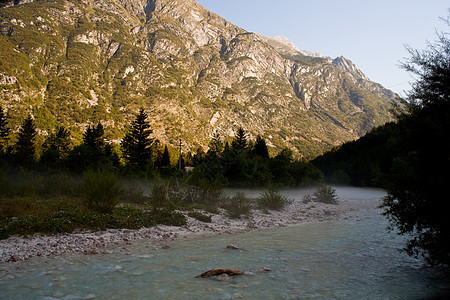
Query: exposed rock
point(193, 71)
point(233, 246)
point(217, 272)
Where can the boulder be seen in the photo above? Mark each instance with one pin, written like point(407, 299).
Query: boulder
point(217, 272)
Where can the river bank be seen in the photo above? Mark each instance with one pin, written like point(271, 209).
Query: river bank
point(90, 243)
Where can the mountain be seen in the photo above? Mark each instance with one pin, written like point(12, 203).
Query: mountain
point(78, 62)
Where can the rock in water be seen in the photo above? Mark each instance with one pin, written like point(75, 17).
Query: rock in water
point(233, 246)
point(217, 272)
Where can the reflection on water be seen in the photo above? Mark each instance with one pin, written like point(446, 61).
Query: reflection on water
point(354, 258)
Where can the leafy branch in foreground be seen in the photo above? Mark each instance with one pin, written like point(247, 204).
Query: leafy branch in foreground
point(417, 184)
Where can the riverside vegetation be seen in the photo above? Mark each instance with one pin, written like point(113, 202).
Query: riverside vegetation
point(40, 195)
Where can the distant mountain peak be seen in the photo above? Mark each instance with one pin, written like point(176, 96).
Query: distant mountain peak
point(79, 62)
point(284, 45)
point(350, 67)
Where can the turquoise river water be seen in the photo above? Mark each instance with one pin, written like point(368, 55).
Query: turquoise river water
point(352, 258)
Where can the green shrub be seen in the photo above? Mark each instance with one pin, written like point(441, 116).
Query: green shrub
point(133, 193)
point(169, 217)
point(307, 198)
point(238, 205)
point(160, 195)
point(199, 216)
point(101, 190)
point(325, 194)
point(208, 195)
point(272, 199)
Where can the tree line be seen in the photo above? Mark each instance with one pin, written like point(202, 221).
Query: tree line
point(240, 163)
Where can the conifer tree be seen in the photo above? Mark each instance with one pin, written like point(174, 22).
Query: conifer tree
point(165, 159)
point(260, 147)
point(216, 144)
point(4, 131)
point(240, 141)
point(57, 146)
point(25, 146)
point(137, 144)
point(93, 137)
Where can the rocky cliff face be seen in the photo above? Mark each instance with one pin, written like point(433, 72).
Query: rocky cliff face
point(81, 61)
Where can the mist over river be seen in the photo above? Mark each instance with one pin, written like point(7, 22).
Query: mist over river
point(354, 257)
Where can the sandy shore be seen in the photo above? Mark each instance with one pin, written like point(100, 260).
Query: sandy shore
point(24, 248)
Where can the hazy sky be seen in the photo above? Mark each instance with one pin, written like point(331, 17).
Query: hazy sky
point(372, 34)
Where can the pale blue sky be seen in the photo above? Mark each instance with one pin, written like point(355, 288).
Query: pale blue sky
point(372, 34)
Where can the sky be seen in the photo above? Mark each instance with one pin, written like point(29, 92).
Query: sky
point(372, 34)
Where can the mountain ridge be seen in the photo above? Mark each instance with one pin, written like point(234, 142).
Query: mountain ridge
point(194, 72)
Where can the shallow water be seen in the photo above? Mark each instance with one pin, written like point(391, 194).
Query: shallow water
point(353, 258)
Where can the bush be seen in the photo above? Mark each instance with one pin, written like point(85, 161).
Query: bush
point(325, 194)
point(238, 205)
point(200, 217)
point(169, 217)
point(101, 189)
point(272, 199)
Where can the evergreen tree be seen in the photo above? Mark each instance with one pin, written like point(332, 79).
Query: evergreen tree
point(260, 148)
point(25, 147)
point(56, 147)
point(93, 137)
point(137, 144)
point(94, 152)
point(4, 131)
point(165, 158)
point(216, 145)
point(239, 143)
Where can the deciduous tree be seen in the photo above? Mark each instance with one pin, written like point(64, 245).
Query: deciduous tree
point(417, 186)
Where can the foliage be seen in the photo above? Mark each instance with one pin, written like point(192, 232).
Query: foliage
point(57, 148)
point(137, 144)
point(101, 190)
point(323, 194)
point(362, 162)
point(240, 141)
point(417, 183)
point(272, 199)
point(94, 152)
point(260, 147)
point(165, 159)
point(200, 216)
point(29, 215)
point(237, 206)
point(4, 131)
point(25, 147)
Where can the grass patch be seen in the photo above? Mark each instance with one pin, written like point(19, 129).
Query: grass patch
point(237, 206)
point(272, 199)
point(28, 215)
point(323, 194)
point(101, 190)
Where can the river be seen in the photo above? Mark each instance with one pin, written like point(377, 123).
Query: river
point(351, 258)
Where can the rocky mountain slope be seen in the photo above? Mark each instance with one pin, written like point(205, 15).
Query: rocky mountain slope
point(78, 62)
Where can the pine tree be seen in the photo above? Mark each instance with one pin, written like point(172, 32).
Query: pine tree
point(216, 144)
point(260, 147)
point(93, 137)
point(137, 144)
point(25, 146)
point(165, 159)
point(240, 141)
point(94, 152)
point(56, 146)
point(4, 131)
